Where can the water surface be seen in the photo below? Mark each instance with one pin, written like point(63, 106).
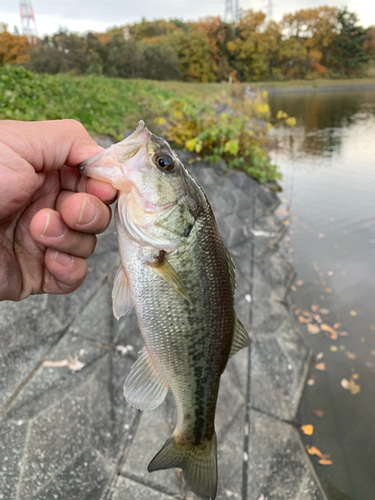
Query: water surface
point(328, 162)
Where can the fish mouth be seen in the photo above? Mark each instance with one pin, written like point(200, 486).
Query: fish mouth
point(107, 165)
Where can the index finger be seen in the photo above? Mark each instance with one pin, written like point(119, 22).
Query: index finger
point(72, 180)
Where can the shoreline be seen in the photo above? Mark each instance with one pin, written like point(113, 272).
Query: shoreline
point(318, 88)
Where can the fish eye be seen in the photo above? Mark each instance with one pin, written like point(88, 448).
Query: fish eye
point(165, 162)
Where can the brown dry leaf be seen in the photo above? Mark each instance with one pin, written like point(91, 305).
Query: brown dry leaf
point(355, 376)
point(327, 328)
point(319, 413)
point(307, 429)
point(56, 364)
point(351, 386)
point(299, 283)
point(353, 313)
point(315, 308)
point(321, 367)
point(313, 329)
point(336, 325)
point(333, 348)
point(373, 353)
point(313, 450)
point(301, 319)
point(325, 461)
point(343, 334)
point(286, 222)
point(350, 355)
point(329, 290)
point(372, 327)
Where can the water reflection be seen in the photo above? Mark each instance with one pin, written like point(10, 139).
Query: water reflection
point(328, 162)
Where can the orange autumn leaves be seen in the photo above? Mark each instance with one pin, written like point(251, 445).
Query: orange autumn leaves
point(324, 459)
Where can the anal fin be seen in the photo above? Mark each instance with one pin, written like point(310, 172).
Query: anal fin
point(144, 389)
point(241, 338)
point(122, 300)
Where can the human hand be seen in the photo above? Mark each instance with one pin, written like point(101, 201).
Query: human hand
point(49, 213)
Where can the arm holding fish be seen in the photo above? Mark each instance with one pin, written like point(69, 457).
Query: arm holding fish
point(49, 213)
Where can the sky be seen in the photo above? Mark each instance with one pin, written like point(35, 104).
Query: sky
point(98, 15)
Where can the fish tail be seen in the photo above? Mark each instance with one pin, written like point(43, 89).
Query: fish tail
point(198, 462)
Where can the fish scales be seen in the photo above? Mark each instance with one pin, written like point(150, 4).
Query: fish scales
point(177, 273)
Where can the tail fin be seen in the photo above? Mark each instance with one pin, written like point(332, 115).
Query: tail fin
point(198, 463)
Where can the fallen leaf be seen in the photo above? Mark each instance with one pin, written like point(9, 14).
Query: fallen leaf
point(313, 329)
point(353, 313)
point(373, 353)
point(351, 386)
point(74, 364)
point(324, 311)
point(321, 367)
point(319, 356)
point(319, 413)
point(343, 334)
point(333, 348)
point(315, 308)
point(336, 325)
point(302, 319)
point(293, 288)
point(307, 429)
point(355, 376)
point(313, 450)
point(311, 382)
point(327, 328)
point(286, 222)
point(372, 327)
point(299, 283)
point(329, 290)
point(350, 355)
point(55, 364)
point(325, 461)
point(369, 364)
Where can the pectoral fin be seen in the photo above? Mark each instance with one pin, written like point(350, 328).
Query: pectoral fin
point(240, 338)
point(122, 300)
point(144, 388)
point(164, 269)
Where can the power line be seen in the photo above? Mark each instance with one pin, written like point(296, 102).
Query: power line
point(28, 20)
point(233, 11)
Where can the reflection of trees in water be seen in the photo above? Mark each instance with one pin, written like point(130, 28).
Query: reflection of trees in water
point(319, 115)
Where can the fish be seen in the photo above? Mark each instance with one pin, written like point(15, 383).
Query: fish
point(178, 275)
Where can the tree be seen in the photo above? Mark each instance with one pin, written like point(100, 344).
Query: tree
point(13, 49)
point(349, 54)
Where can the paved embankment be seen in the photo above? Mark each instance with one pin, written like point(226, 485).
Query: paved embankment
point(66, 431)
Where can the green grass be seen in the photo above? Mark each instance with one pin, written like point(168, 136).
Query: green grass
point(106, 106)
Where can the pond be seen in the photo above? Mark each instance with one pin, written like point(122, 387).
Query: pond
point(328, 164)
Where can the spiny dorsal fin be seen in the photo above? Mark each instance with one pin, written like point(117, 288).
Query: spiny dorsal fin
point(240, 337)
point(232, 271)
point(144, 388)
point(122, 300)
point(164, 269)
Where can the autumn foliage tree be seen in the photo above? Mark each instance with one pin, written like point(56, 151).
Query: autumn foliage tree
point(309, 43)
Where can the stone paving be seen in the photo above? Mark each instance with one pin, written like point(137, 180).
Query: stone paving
point(66, 431)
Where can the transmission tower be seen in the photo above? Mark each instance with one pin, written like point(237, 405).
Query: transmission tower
point(270, 5)
point(232, 11)
point(28, 20)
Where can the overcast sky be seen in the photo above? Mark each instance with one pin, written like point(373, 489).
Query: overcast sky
point(98, 15)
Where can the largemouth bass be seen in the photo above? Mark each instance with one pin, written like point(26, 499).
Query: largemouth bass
point(177, 273)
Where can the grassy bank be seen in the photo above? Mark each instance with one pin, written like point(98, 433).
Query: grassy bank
point(183, 113)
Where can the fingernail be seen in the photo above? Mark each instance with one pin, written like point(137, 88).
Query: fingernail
point(63, 259)
point(56, 229)
point(88, 213)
